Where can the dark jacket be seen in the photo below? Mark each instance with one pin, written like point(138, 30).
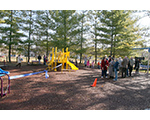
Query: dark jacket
point(39, 57)
point(116, 65)
point(137, 64)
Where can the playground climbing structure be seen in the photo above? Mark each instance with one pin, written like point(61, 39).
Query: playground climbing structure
point(61, 58)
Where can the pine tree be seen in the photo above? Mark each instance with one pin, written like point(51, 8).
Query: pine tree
point(28, 27)
point(80, 47)
point(118, 31)
point(66, 23)
point(10, 30)
point(45, 26)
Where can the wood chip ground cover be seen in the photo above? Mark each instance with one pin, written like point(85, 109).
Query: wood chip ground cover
point(72, 91)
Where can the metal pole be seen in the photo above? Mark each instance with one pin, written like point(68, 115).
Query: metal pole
point(1, 87)
point(8, 83)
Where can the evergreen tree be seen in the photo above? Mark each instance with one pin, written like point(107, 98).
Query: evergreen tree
point(66, 23)
point(94, 19)
point(11, 34)
point(45, 25)
point(118, 31)
point(28, 27)
point(80, 46)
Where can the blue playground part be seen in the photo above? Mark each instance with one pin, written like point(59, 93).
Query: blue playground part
point(2, 71)
point(28, 74)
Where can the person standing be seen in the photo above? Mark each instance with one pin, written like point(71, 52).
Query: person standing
point(76, 62)
point(111, 68)
point(124, 66)
point(88, 63)
point(44, 59)
point(39, 58)
point(98, 65)
point(127, 67)
point(120, 66)
point(137, 65)
point(109, 59)
point(131, 62)
point(116, 69)
point(104, 65)
point(85, 61)
point(19, 61)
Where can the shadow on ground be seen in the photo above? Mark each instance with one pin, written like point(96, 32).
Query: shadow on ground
point(72, 91)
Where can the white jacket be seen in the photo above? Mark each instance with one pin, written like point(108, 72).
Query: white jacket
point(19, 59)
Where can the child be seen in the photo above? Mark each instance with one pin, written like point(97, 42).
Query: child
point(85, 61)
point(88, 63)
point(19, 61)
point(98, 65)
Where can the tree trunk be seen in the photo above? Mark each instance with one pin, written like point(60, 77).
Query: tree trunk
point(111, 52)
point(81, 41)
point(10, 40)
point(114, 47)
point(111, 36)
point(65, 37)
point(29, 37)
point(47, 44)
point(95, 45)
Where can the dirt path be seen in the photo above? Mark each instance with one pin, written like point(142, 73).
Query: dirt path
point(72, 91)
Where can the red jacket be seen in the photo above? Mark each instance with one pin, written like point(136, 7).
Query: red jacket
point(104, 64)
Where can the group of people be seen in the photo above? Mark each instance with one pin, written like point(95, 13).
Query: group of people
point(88, 64)
point(124, 67)
point(44, 59)
point(19, 60)
point(115, 65)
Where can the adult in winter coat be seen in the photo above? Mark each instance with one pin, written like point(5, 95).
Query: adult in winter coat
point(104, 65)
point(111, 68)
point(137, 65)
point(116, 69)
point(39, 58)
point(120, 66)
point(124, 66)
point(131, 62)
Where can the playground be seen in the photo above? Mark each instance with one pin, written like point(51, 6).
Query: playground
point(71, 91)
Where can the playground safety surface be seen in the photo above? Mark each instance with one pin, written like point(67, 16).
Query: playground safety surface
point(72, 91)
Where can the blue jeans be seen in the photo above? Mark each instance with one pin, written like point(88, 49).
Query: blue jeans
point(104, 72)
point(116, 76)
point(127, 72)
point(39, 62)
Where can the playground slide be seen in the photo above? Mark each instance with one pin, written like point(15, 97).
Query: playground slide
point(72, 65)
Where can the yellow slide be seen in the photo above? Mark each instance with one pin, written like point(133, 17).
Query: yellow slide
point(72, 65)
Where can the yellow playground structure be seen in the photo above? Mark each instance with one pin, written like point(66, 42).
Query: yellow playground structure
point(61, 58)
